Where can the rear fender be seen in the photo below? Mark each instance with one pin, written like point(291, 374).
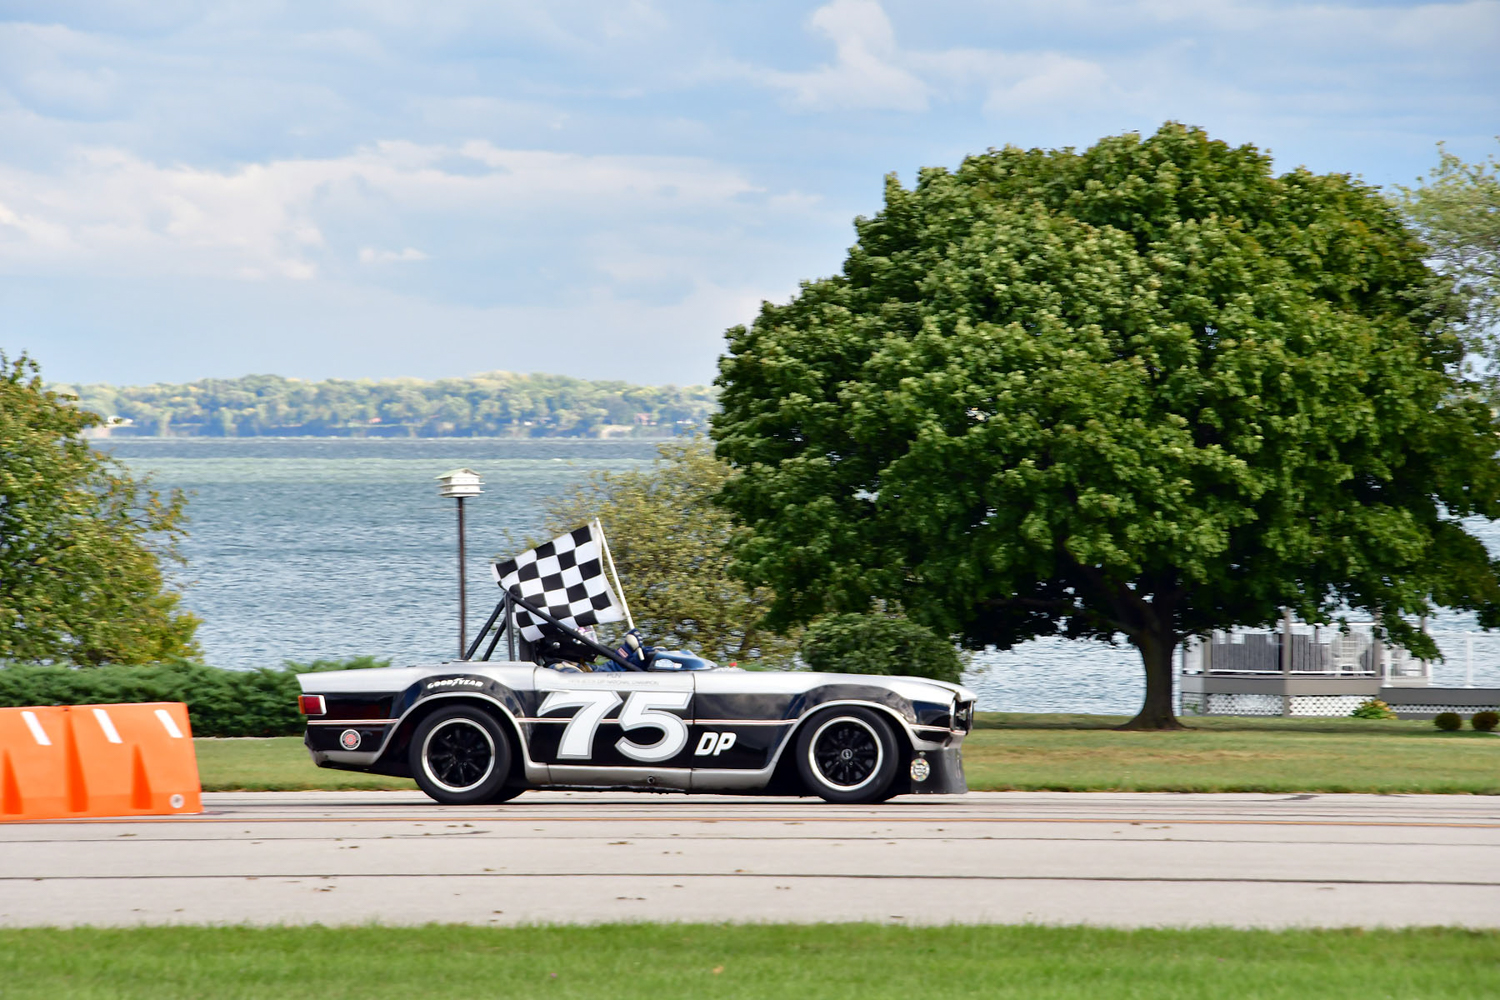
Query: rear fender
point(393, 759)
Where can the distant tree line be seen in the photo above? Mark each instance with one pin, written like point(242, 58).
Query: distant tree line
point(500, 404)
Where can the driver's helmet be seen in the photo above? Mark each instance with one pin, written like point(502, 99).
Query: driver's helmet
point(559, 650)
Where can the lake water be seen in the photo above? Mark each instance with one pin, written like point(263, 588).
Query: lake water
point(317, 548)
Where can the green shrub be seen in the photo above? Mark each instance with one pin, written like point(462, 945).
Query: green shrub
point(877, 644)
point(1372, 708)
point(1485, 722)
point(1448, 721)
point(220, 702)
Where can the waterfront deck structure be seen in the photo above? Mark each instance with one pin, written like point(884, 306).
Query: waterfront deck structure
point(1308, 670)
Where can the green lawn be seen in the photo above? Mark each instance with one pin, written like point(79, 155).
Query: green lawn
point(277, 764)
point(825, 962)
point(1083, 753)
point(1076, 753)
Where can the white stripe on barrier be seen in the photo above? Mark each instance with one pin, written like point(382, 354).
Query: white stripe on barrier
point(37, 732)
point(108, 725)
point(171, 726)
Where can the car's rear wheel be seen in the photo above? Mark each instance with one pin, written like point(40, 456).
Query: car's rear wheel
point(460, 756)
point(847, 755)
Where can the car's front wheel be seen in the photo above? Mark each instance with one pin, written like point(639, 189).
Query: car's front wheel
point(460, 756)
point(847, 755)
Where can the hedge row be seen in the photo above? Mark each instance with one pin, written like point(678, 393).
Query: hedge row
point(220, 702)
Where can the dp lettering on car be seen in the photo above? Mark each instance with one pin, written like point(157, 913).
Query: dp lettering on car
point(643, 710)
point(713, 744)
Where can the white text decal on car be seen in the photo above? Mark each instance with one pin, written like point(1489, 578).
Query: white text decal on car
point(643, 710)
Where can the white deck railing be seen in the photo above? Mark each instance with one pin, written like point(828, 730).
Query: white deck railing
point(1315, 651)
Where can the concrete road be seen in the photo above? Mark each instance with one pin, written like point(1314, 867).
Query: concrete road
point(1121, 860)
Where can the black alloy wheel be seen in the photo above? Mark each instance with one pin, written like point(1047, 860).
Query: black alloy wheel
point(460, 756)
point(848, 755)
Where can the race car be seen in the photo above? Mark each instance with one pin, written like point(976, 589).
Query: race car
point(472, 731)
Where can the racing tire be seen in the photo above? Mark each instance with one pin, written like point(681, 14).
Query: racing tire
point(460, 756)
point(848, 755)
point(507, 793)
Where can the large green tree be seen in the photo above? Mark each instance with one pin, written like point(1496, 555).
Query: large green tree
point(670, 542)
point(1148, 389)
point(1456, 209)
point(81, 540)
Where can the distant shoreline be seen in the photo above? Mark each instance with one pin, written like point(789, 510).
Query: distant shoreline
point(492, 404)
point(549, 438)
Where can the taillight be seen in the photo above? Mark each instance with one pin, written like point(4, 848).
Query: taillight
point(311, 704)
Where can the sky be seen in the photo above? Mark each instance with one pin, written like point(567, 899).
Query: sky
point(600, 189)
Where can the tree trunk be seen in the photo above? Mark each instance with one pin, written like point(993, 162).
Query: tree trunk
point(1156, 655)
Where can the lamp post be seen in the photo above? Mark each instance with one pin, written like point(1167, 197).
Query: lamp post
point(460, 484)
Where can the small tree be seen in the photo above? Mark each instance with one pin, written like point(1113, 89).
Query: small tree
point(1456, 208)
point(81, 540)
point(671, 546)
point(1148, 390)
point(879, 644)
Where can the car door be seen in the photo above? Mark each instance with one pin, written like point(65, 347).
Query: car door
point(741, 723)
point(624, 728)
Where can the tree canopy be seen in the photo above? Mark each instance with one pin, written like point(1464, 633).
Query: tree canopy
point(1148, 389)
point(497, 404)
point(81, 541)
point(1456, 208)
point(671, 545)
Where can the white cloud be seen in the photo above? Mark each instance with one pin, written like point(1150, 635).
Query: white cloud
point(1451, 27)
point(106, 211)
point(871, 71)
point(329, 328)
point(628, 170)
point(865, 73)
point(58, 71)
point(536, 260)
point(370, 255)
point(1145, 58)
point(1017, 83)
point(1051, 81)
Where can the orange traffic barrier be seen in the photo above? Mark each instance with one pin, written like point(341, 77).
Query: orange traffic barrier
point(97, 760)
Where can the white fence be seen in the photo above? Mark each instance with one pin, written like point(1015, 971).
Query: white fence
point(1469, 658)
point(1240, 703)
point(1314, 651)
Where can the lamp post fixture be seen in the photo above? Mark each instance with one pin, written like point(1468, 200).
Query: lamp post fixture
point(460, 484)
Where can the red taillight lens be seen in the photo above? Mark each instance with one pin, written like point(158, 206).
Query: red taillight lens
point(311, 704)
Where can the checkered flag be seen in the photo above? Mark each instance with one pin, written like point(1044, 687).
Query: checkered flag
point(566, 577)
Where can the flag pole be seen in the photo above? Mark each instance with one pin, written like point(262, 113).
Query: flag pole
point(619, 589)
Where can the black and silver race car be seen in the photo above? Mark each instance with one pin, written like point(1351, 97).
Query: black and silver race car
point(472, 731)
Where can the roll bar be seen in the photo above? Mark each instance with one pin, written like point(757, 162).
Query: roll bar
point(509, 601)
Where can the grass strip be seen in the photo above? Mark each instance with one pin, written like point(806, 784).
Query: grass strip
point(1078, 753)
point(1074, 753)
point(277, 764)
point(827, 961)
